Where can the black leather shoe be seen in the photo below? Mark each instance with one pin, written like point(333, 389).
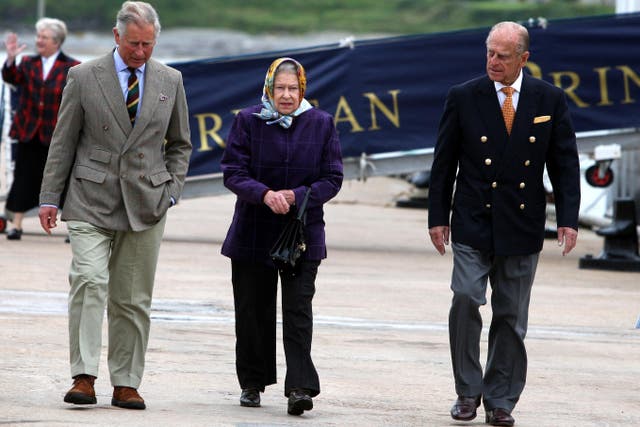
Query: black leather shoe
point(250, 397)
point(299, 401)
point(14, 234)
point(464, 409)
point(499, 417)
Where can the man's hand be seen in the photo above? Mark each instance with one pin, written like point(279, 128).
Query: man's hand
point(439, 237)
point(277, 201)
point(48, 216)
point(567, 236)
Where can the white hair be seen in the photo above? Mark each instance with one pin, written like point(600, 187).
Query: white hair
point(137, 12)
point(56, 26)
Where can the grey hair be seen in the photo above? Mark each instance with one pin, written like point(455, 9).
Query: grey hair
point(286, 67)
point(56, 26)
point(139, 13)
point(522, 44)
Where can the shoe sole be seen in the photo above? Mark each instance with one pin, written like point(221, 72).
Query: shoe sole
point(502, 424)
point(249, 404)
point(80, 399)
point(300, 406)
point(464, 418)
point(128, 405)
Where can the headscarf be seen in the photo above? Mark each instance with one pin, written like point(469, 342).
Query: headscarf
point(269, 112)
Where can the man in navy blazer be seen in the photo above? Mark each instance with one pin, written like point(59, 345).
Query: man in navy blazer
point(498, 213)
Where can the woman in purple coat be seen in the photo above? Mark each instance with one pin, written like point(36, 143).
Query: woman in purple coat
point(275, 152)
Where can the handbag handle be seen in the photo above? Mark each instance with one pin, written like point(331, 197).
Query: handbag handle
point(303, 206)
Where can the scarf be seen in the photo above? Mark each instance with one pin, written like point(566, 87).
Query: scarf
point(268, 111)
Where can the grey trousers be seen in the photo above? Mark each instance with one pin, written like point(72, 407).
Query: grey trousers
point(511, 278)
point(114, 269)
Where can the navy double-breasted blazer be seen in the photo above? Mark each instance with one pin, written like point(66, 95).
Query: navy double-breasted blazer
point(499, 203)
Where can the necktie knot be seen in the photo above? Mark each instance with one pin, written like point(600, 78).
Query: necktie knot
point(508, 90)
point(508, 111)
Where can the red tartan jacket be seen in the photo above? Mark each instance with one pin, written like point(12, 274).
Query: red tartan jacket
point(37, 110)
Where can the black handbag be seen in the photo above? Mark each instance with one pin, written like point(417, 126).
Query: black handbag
point(291, 243)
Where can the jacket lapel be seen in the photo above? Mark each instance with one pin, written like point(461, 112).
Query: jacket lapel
point(58, 67)
point(105, 73)
point(525, 113)
point(150, 98)
point(489, 110)
point(37, 68)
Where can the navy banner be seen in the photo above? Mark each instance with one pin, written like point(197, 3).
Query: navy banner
point(387, 94)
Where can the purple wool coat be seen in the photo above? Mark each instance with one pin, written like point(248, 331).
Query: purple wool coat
point(261, 157)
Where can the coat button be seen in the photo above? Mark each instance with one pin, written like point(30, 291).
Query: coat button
point(532, 139)
point(494, 184)
point(527, 162)
point(521, 185)
point(487, 162)
point(522, 206)
point(141, 155)
point(483, 139)
point(141, 176)
point(105, 128)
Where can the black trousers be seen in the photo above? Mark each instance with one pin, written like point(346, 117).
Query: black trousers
point(254, 292)
point(30, 159)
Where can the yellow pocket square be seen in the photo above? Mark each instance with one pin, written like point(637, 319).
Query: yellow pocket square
point(541, 119)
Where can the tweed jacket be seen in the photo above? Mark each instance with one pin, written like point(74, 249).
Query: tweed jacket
point(119, 177)
point(39, 100)
point(260, 157)
point(500, 202)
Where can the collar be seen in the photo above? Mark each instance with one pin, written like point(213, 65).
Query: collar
point(516, 85)
point(51, 58)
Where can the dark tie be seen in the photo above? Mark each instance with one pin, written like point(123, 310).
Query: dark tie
point(133, 95)
point(508, 112)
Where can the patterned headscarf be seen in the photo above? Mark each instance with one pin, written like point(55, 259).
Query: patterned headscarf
point(269, 112)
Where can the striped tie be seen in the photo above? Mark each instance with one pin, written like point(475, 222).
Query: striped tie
point(133, 95)
point(508, 112)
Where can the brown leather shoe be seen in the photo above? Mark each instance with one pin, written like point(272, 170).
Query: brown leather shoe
point(127, 397)
point(464, 409)
point(499, 417)
point(82, 392)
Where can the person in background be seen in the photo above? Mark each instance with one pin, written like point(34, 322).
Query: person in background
point(497, 133)
point(275, 152)
point(40, 80)
point(123, 138)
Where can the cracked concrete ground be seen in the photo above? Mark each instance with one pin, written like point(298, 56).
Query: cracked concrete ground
point(380, 337)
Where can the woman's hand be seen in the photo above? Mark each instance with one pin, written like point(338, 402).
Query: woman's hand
point(278, 201)
point(12, 47)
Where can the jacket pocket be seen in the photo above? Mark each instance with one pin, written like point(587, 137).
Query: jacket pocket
point(160, 178)
point(84, 172)
point(101, 156)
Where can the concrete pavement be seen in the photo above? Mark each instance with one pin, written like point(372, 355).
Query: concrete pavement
point(380, 339)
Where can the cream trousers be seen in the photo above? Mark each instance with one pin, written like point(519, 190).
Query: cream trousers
point(115, 269)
